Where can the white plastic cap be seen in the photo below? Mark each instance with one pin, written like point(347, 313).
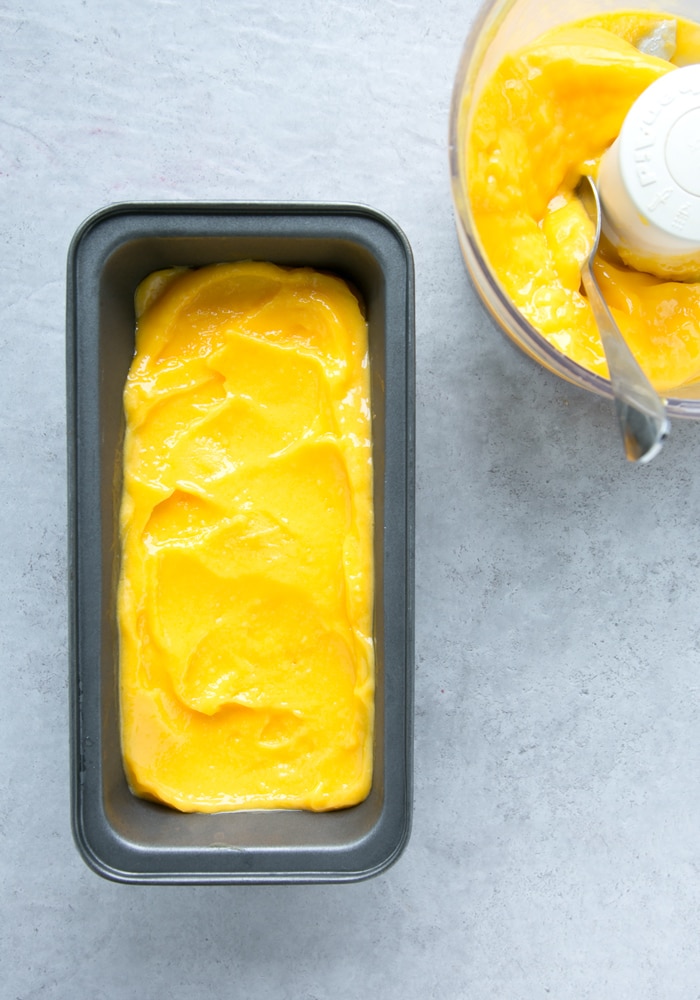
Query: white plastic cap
point(649, 179)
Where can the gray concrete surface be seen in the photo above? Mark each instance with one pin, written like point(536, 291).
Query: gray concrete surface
point(555, 849)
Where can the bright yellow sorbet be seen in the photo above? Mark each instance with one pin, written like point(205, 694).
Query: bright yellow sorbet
point(543, 119)
point(246, 587)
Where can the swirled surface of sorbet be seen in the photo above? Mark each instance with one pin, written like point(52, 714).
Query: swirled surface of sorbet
point(544, 118)
point(246, 587)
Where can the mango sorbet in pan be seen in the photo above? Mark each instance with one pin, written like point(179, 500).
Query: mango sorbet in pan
point(246, 587)
point(547, 116)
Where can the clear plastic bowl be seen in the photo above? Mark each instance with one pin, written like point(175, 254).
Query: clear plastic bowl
point(502, 26)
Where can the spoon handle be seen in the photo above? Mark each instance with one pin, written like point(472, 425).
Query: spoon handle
point(640, 410)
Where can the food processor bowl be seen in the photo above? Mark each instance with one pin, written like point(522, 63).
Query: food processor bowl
point(500, 27)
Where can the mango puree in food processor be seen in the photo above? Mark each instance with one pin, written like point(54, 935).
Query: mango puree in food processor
point(543, 119)
point(246, 590)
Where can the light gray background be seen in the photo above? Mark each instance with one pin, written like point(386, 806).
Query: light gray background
point(555, 849)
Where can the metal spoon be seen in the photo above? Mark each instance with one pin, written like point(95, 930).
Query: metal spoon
point(640, 410)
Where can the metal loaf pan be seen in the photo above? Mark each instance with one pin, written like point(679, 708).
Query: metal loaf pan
point(132, 840)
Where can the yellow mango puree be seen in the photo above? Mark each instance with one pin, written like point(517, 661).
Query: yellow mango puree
point(246, 587)
point(544, 118)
